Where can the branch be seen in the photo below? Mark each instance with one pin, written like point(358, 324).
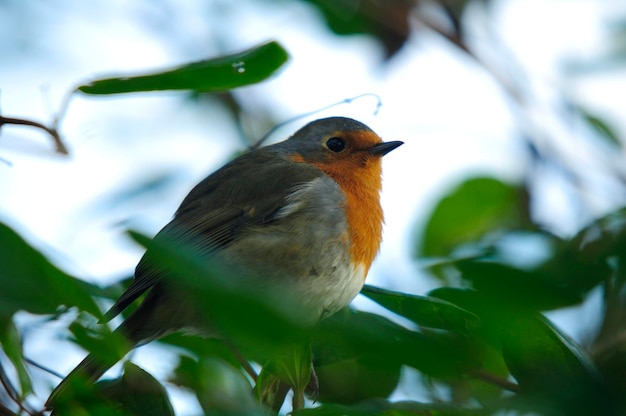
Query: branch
point(52, 131)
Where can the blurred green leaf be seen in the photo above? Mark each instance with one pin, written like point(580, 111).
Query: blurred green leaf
point(530, 290)
point(247, 316)
point(106, 346)
point(387, 21)
point(555, 375)
point(202, 347)
point(423, 310)
point(270, 391)
point(351, 376)
point(361, 334)
point(602, 127)
point(212, 75)
point(378, 407)
point(603, 238)
point(137, 393)
point(220, 388)
point(31, 283)
point(12, 347)
point(476, 207)
point(552, 368)
point(293, 365)
point(495, 312)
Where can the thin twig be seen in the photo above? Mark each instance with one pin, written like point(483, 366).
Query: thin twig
point(60, 146)
point(310, 113)
point(43, 368)
point(11, 391)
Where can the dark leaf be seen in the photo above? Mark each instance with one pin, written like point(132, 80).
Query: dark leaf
point(552, 369)
point(351, 335)
point(12, 347)
point(351, 376)
point(530, 290)
point(424, 311)
point(31, 283)
point(137, 393)
point(378, 407)
point(219, 387)
point(387, 21)
point(248, 316)
point(212, 75)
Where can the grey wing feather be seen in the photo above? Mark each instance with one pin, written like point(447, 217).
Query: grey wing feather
point(209, 227)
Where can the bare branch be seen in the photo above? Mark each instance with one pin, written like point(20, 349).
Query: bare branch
point(52, 131)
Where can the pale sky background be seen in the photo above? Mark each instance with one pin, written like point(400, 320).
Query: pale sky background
point(454, 118)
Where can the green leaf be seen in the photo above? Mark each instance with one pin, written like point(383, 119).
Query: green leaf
point(602, 128)
point(552, 368)
point(493, 313)
point(352, 334)
point(137, 393)
point(293, 366)
point(250, 316)
point(387, 21)
point(212, 75)
point(424, 311)
point(202, 347)
point(31, 283)
point(378, 407)
point(349, 375)
point(476, 207)
point(12, 347)
point(555, 375)
point(219, 387)
point(107, 347)
point(530, 290)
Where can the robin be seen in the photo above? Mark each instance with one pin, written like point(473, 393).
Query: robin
point(303, 216)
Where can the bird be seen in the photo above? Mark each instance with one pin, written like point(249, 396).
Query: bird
point(302, 215)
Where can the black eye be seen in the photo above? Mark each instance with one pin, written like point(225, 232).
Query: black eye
point(335, 144)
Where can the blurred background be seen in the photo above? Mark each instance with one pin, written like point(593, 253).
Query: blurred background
point(528, 92)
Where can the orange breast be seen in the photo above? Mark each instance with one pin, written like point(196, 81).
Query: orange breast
point(360, 179)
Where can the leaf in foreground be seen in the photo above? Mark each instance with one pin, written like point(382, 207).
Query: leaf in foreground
point(212, 75)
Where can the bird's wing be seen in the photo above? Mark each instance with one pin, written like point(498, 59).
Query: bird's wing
point(250, 190)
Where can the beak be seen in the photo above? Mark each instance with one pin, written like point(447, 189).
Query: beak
point(382, 149)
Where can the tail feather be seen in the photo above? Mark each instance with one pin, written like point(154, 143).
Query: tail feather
point(146, 323)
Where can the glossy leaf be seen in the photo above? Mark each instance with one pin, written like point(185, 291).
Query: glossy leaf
point(476, 207)
point(424, 311)
point(212, 75)
point(552, 368)
point(555, 375)
point(517, 288)
point(493, 313)
point(351, 333)
point(137, 393)
point(31, 283)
